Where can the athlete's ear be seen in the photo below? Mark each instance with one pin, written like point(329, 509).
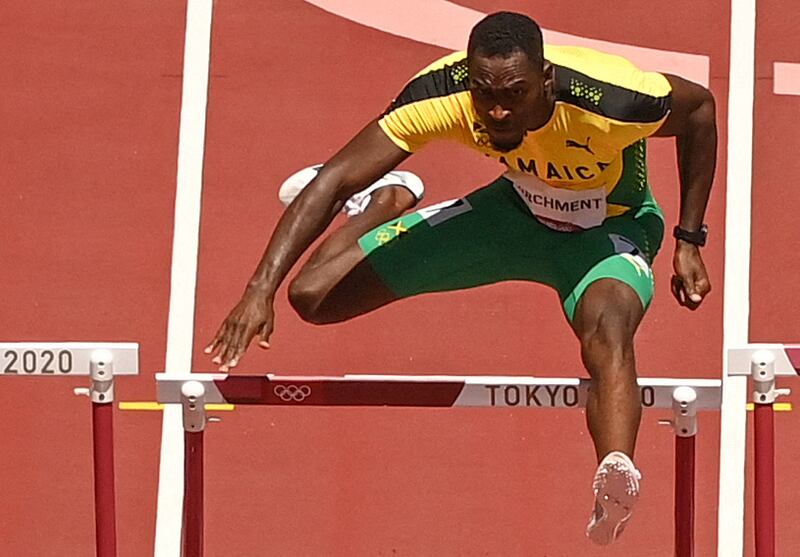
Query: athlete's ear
point(547, 76)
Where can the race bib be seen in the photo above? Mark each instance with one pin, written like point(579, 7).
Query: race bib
point(560, 209)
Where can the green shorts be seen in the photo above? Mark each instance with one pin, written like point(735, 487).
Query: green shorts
point(490, 236)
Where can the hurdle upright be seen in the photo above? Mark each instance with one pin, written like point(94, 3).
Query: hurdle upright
point(764, 362)
point(101, 361)
point(683, 396)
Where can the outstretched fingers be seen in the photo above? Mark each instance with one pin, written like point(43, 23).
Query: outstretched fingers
point(228, 345)
point(240, 339)
point(252, 316)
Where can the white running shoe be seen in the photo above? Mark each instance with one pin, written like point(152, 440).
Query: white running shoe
point(616, 491)
point(358, 203)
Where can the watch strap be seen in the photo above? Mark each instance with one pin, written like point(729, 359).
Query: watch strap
point(697, 237)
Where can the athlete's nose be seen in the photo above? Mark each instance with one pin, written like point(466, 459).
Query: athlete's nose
point(498, 113)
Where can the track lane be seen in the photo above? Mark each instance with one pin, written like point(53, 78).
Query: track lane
point(90, 100)
point(775, 241)
point(372, 482)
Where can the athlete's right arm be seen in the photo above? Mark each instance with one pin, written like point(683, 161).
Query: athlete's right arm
point(367, 157)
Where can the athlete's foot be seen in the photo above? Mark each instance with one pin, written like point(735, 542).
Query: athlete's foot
point(356, 205)
point(616, 491)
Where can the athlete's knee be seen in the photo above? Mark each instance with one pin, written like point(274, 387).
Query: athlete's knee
point(396, 199)
point(606, 353)
point(306, 293)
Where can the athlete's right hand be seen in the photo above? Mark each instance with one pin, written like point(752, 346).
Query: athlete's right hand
point(252, 316)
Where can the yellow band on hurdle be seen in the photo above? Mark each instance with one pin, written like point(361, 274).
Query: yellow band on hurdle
point(153, 406)
point(777, 407)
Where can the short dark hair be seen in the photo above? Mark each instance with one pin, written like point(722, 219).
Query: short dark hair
point(503, 33)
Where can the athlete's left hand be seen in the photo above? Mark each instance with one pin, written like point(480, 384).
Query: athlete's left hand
point(690, 282)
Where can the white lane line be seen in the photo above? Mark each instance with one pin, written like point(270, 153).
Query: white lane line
point(786, 78)
point(736, 295)
point(180, 330)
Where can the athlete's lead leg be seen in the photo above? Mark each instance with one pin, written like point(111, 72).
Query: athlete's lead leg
point(336, 283)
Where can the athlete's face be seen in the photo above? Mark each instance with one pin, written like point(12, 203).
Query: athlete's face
point(510, 95)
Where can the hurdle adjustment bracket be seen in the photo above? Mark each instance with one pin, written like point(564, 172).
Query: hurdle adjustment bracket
point(193, 400)
point(762, 368)
point(101, 371)
point(684, 412)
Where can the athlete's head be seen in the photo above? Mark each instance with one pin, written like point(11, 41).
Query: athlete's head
point(508, 77)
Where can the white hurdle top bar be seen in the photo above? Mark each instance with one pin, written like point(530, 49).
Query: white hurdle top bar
point(65, 358)
point(420, 390)
point(787, 358)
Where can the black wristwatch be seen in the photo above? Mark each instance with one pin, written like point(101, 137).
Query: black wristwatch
point(698, 237)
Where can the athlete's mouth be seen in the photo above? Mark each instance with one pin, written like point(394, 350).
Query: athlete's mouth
point(505, 138)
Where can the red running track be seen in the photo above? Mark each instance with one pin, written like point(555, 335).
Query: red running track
point(92, 95)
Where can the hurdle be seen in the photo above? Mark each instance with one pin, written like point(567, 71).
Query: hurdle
point(101, 361)
point(193, 391)
point(764, 362)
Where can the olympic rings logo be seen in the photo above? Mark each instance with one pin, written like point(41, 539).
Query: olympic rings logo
point(289, 393)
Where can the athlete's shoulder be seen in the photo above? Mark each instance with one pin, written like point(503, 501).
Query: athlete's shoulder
point(443, 77)
point(608, 85)
point(435, 104)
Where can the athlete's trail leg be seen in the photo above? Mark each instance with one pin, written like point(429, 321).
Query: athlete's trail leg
point(334, 284)
point(605, 322)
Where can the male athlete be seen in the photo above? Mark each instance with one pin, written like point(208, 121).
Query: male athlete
point(574, 211)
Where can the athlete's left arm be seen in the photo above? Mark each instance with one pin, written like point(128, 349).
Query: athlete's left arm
point(692, 121)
